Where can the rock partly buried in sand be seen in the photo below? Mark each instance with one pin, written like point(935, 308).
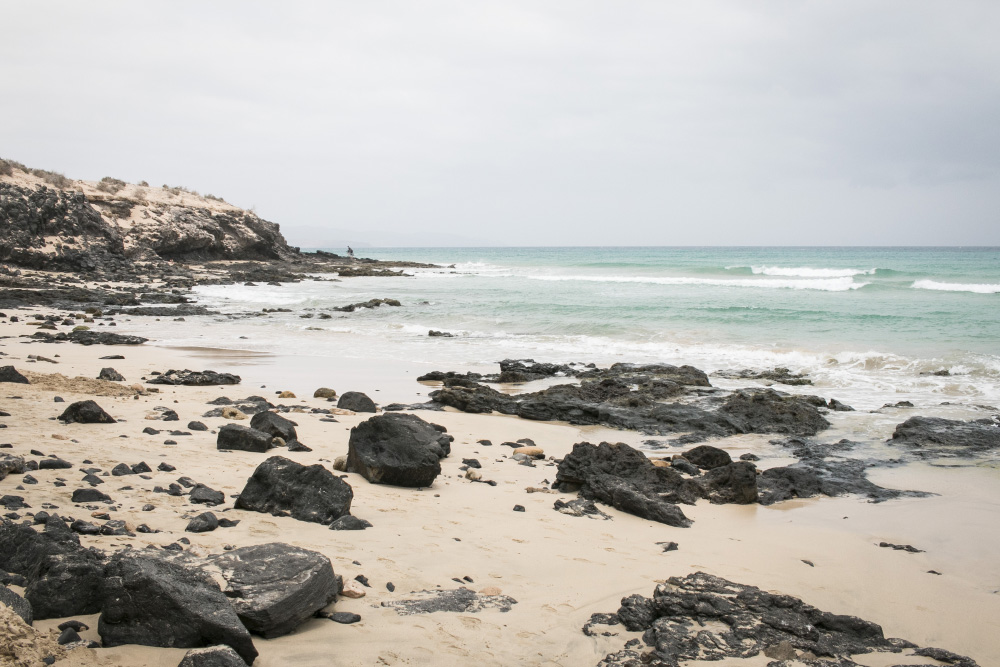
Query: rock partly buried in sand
point(398, 449)
point(10, 374)
point(356, 402)
point(460, 600)
point(152, 600)
point(11, 465)
point(104, 338)
point(704, 617)
point(282, 487)
point(276, 587)
point(195, 378)
point(932, 437)
point(243, 438)
point(274, 424)
point(20, 606)
point(324, 392)
point(212, 656)
point(579, 508)
point(86, 412)
point(349, 522)
point(111, 375)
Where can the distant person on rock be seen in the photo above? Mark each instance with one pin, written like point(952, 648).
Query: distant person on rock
point(350, 252)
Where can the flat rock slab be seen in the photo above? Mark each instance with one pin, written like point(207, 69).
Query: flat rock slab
point(932, 437)
point(195, 378)
point(459, 600)
point(706, 618)
point(275, 587)
point(152, 600)
point(282, 487)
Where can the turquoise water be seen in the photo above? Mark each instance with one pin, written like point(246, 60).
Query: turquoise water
point(925, 302)
point(869, 325)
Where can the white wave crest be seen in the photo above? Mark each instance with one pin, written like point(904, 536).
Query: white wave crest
point(825, 284)
point(807, 272)
point(977, 288)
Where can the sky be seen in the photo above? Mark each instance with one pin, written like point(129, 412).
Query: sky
point(515, 123)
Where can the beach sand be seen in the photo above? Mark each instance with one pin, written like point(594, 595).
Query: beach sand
point(560, 569)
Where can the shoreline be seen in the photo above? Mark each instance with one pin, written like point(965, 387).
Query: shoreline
point(560, 569)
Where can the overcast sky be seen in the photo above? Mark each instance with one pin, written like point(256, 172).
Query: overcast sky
point(528, 123)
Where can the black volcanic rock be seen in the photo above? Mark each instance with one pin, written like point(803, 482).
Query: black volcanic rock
point(86, 412)
point(703, 617)
point(932, 437)
point(154, 601)
point(10, 374)
point(281, 487)
point(195, 378)
point(274, 424)
point(111, 375)
point(356, 402)
point(707, 457)
point(243, 438)
point(398, 449)
point(276, 587)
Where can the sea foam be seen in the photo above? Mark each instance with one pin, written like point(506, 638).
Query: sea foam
point(977, 288)
point(841, 284)
point(807, 272)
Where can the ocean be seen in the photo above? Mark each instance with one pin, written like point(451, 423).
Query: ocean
point(869, 325)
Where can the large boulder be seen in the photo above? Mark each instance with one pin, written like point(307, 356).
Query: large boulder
point(274, 424)
point(86, 412)
point(152, 600)
point(768, 411)
point(243, 438)
point(10, 374)
point(732, 483)
point(276, 587)
point(64, 579)
point(399, 449)
point(356, 401)
point(282, 487)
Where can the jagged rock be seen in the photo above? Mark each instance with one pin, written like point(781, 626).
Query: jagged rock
point(121, 469)
point(243, 438)
point(767, 411)
point(274, 424)
point(154, 601)
point(10, 374)
point(281, 486)
point(732, 483)
point(86, 412)
point(356, 402)
point(932, 437)
point(702, 617)
point(212, 656)
point(371, 303)
point(111, 375)
point(824, 477)
point(624, 478)
point(398, 449)
point(195, 378)
point(275, 587)
point(780, 374)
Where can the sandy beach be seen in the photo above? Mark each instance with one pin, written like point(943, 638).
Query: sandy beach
point(560, 569)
